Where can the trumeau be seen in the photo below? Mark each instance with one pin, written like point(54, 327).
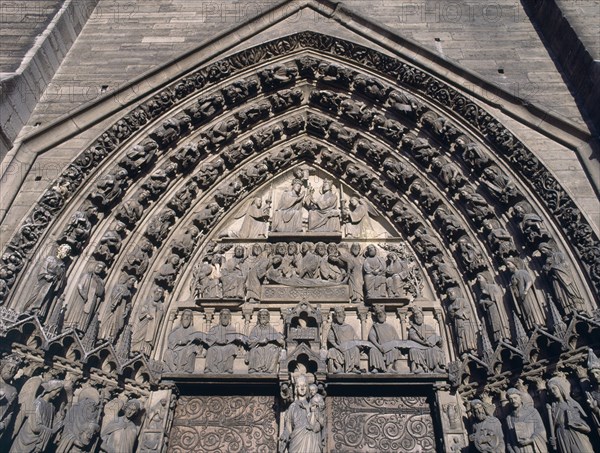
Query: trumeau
point(289, 249)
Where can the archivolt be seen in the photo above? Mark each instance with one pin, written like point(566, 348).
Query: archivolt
point(388, 121)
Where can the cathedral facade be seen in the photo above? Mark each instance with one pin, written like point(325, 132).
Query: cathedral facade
point(308, 232)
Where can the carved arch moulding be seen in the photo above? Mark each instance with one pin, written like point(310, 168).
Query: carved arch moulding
point(305, 207)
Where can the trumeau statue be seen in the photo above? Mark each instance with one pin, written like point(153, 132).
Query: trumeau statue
point(120, 434)
point(37, 427)
point(487, 436)
point(569, 433)
point(265, 345)
point(525, 430)
point(9, 366)
point(222, 341)
point(183, 345)
point(87, 298)
point(343, 354)
point(304, 421)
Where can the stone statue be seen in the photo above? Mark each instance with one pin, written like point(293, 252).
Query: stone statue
point(558, 269)
point(206, 282)
point(323, 210)
point(383, 357)
point(87, 298)
point(328, 268)
point(428, 357)
point(256, 266)
point(353, 263)
point(222, 341)
point(531, 224)
point(525, 429)
point(117, 308)
point(500, 239)
point(570, 433)
point(255, 220)
point(9, 366)
point(233, 275)
point(50, 282)
point(303, 425)
point(396, 273)
point(374, 268)
point(80, 423)
point(343, 354)
point(120, 435)
point(464, 325)
point(167, 272)
point(288, 214)
point(521, 285)
point(36, 430)
point(291, 261)
point(491, 300)
point(147, 322)
point(357, 221)
point(183, 345)
point(593, 393)
point(265, 345)
point(309, 263)
point(487, 436)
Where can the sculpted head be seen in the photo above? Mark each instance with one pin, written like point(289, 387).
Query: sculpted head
point(478, 410)
point(380, 315)
point(157, 293)
point(186, 318)
point(417, 316)
point(264, 317)
point(8, 368)
point(292, 248)
point(132, 408)
point(99, 268)
point(225, 317)
point(256, 249)
point(301, 387)
point(257, 202)
point(371, 251)
point(63, 251)
point(321, 248)
point(339, 315)
point(514, 398)
point(353, 203)
point(239, 251)
point(355, 249)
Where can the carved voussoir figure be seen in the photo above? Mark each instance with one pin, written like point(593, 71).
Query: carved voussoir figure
point(87, 298)
point(147, 322)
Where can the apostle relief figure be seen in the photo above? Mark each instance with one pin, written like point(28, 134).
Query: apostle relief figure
point(384, 355)
point(426, 356)
point(183, 346)
point(343, 355)
point(222, 341)
point(288, 214)
point(265, 345)
point(374, 269)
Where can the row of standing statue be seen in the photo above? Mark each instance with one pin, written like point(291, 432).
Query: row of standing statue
point(48, 414)
point(384, 347)
point(524, 430)
point(241, 276)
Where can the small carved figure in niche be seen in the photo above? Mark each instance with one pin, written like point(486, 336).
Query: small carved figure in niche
point(371, 87)
point(343, 355)
point(420, 148)
point(500, 239)
point(303, 426)
point(24, 240)
point(357, 222)
point(428, 356)
point(334, 161)
point(327, 99)
point(206, 107)
point(77, 231)
point(448, 172)
point(426, 196)
point(531, 224)
point(137, 261)
point(405, 218)
point(357, 112)
point(234, 154)
point(183, 345)
point(54, 198)
point(265, 137)
point(384, 355)
point(352, 262)
point(558, 269)
point(384, 196)
point(487, 436)
point(109, 187)
point(222, 341)
point(425, 244)
point(473, 156)
point(593, 393)
point(329, 268)
point(117, 308)
point(254, 174)
point(374, 268)
point(233, 276)
point(491, 300)
point(279, 159)
point(159, 226)
point(87, 298)
point(188, 156)
point(284, 99)
point(404, 104)
point(255, 221)
point(342, 136)
point(293, 125)
point(240, 90)
point(159, 181)
point(206, 217)
point(291, 261)
point(9, 366)
point(206, 282)
point(396, 273)
point(451, 224)
point(139, 156)
point(167, 273)
point(521, 285)
point(120, 435)
point(253, 114)
point(36, 430)
point(359, 178)
point(265, 345)
point(208, 173)
point(183, 245)
point(323, 210)
point(183, 198)
point(525, 430)
point(130, 211)
point(80, 423)
point(147, 322)
point(399, 172)
point(373, 152)
point(50, 282)
point(334, 73)
point(227, 194)
point(390, 129)
point(472, 258)
point(499, 184)
point(288, 214)
point(570, 432)
point(462, 317)
point(477, 207)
